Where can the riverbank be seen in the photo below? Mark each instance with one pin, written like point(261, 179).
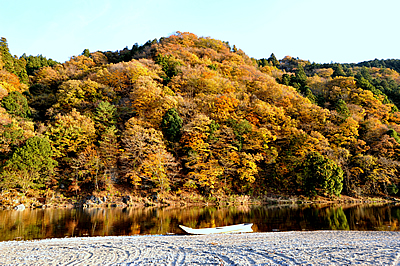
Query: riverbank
point(279, 248)
point(20, 201)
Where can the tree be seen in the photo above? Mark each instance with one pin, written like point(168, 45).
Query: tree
point(171, 125)
point(272, 59)
point(203, 170)
point(70, 133)
point(169, 65)
point(11, 137)
point(145, 160)
point(285, 80)
point(13, 64)
point(34, 63)
point(300, 77)
point(87, 167)
point(6, 57)
point(156, 168)
point(240, 128)
point(78, 94)
point(86, 53)
point(338, 71)
point(16, 104)
point(109, 153)
point(105, 116)
point(29, 166)
point(392, 133)
point(10, 82)
point(341, 108)
point(321, 174)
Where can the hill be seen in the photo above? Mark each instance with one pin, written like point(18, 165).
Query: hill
point(193, 114)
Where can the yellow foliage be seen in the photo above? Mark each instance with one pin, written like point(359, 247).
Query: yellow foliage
point(71, 133)
point(206, 174)
point(248, 168)
point(3, 90)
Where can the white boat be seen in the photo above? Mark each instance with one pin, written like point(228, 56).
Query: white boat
point(237, 228)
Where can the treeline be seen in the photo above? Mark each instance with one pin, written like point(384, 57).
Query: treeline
point(193, 114)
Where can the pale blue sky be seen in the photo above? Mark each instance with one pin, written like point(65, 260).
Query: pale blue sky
point(315, 30)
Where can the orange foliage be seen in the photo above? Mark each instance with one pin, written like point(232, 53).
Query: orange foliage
point(10, 82)
point(224, 107)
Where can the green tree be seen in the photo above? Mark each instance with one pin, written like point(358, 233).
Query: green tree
point(285, 79)
point(5, 55)
point(105, 115)
point(392, 133)
point(338, 71)
point(169, 65)
point(11, 137)
point(30, 166)
point(321, 174)
point(240, 129)
point(171, 125)
point(16, 104)
point(272, 59)
point(300, 77)
point(34, 63)
point(262, 62)
point(309, 95)
point(86, 53)
point(342, 109)
point(13, 64)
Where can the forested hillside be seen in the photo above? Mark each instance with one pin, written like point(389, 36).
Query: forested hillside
point(193, 114)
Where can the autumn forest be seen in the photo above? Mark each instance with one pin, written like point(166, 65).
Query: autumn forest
point(189, 114)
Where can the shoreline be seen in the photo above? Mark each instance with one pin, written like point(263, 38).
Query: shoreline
point(132, 201)
point(273, 248)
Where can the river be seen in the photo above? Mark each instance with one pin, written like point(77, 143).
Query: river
point(59, 223)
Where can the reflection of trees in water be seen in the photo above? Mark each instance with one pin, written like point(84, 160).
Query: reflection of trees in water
point(375, 217)
point(32, 224)
point(337, 219)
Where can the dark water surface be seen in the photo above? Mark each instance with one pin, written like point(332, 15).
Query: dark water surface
point(58, 223)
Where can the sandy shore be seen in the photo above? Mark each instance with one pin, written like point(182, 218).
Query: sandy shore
point(278, 248)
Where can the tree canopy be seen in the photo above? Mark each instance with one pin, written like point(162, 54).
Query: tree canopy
point(190, 113)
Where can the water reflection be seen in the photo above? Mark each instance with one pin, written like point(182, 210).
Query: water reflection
point(50, 223)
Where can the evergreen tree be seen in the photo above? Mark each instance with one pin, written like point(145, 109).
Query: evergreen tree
point(29, 166)
point(34, 63)
point(5, 55)
point(338, 71)
point(16, 104)
point(105, 116)
point(300, 77)
point(392, 133)
point(320, 173)
point(171, 125)
point(13, 64)
point(86, 53)
point(272, 60)
point(262, 62)
point(240, 129)
point(169, 65)
point(285, 80)
point(342, 109)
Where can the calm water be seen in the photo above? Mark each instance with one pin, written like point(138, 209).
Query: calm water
point(51, 223)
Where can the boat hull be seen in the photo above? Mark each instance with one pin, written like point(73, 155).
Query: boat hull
point(238, 228)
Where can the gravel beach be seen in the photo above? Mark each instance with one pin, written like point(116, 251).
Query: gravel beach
point(277, 248)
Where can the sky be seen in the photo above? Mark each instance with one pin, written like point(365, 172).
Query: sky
point(321, 31)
